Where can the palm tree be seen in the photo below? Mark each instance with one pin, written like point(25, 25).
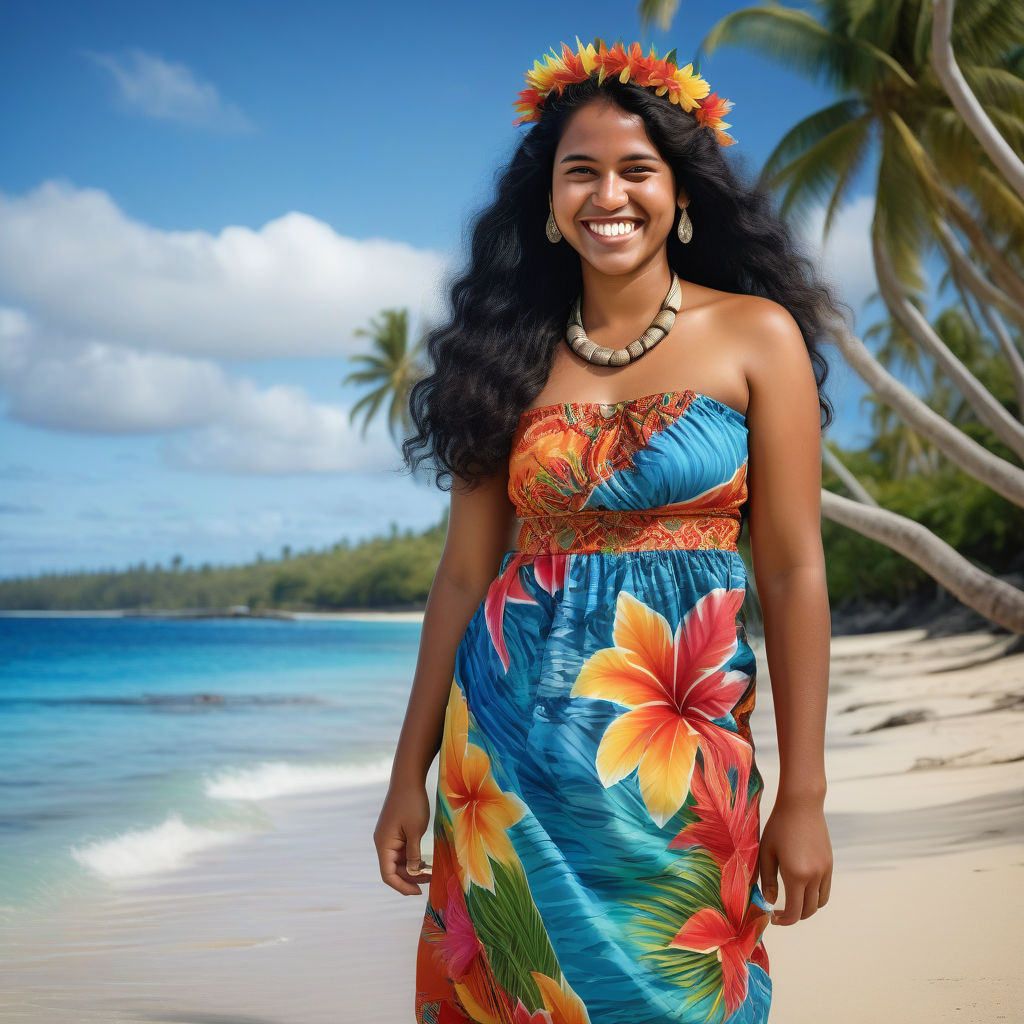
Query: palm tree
point(393, 367)
point(876, 54)
point(901, 448)
point(932, 175)
point(966, 103)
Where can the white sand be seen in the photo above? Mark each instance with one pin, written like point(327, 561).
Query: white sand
point(295, 926)
point(922, 924)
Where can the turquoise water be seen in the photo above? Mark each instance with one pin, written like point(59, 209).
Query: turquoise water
point(128, 744)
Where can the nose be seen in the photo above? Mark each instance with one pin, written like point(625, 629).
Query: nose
point(610, 194)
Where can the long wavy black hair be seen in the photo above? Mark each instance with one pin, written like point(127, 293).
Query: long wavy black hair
point(492, 355)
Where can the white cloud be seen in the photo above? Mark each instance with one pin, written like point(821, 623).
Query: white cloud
point(846, 259)
point(278, 431)
point(224, 424)
point(295, 287)
point(168, 91)
point(64, 383)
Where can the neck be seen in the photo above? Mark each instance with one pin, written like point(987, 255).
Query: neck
point(614, 303)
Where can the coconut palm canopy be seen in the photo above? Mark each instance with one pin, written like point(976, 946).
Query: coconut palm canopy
point(894, 110)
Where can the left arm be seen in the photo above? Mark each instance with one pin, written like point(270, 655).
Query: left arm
point(789, 570)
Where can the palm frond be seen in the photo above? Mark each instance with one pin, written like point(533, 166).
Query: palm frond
point(806, 133)
point(996, 87)
point(792, 37)
point(811, 179)
point(845, 181)
point(984, 31)
point(660, 12)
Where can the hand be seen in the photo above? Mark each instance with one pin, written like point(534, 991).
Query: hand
point(403, 819)
point(795, 843)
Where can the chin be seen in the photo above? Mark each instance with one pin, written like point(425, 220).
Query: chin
point(614, 264)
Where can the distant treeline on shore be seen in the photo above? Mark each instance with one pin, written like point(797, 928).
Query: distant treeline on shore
point(395, 571)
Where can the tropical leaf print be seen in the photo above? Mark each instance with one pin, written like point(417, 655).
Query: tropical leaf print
point(548, 571)
point(725, 824)
point(516, 953)
point(733, 937)
point(667, 901)
point(454, 980)
point(485, 888)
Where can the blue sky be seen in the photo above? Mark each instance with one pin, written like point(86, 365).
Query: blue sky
point(200, 203)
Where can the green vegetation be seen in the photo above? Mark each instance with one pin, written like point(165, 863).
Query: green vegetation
point(389, 572)
point(985, 528)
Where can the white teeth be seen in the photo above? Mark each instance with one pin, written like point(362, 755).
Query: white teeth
point(622, 227)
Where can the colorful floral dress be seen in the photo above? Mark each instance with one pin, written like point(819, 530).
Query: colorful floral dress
point(596, 826)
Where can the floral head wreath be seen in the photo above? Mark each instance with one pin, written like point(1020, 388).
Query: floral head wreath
point(680, 85)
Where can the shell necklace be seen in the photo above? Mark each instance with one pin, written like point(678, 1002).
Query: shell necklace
point(576, 337)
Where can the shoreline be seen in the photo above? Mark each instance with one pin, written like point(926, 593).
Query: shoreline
point(939, 616)
point(925, 761)
point(369, 615)
point(955, 621)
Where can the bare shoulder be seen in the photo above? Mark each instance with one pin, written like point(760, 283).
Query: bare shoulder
point(764, 339)
point(757, 337)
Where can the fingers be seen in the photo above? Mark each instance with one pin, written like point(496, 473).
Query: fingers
point(769, 868)
point(413, 862)
point(400, 867)
point(810, 902)
point(394, 872)
point(790, 913)
point(825, 888)
point(803, 897)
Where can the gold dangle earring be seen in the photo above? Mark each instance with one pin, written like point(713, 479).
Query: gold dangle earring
point(551, 228)
point(684, 231)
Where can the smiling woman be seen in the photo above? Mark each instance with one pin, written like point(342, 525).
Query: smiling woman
point(601, 198)
point(584, 672)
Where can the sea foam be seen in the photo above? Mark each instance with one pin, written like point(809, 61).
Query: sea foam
point(281, 778)
point(139, 852)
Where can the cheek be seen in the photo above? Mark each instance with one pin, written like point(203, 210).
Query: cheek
point(660, 201)
point(567, 194)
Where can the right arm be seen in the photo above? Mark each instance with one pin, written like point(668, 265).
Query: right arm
point(481, 527)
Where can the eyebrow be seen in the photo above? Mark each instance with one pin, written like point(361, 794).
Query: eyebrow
point(590, 159)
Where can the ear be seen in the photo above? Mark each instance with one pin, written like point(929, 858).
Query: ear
point(682, 200)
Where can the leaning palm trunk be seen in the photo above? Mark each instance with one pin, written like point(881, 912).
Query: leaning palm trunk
point(948, 204)
point(989, 596)
point(966, 102)
point(970, 281)
point(1006, 276)
point(849, 481)
point(1010, 350)
point(979, 285)
point(986, 408)
point(974, 459)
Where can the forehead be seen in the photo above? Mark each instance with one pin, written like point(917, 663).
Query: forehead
point(601, 128)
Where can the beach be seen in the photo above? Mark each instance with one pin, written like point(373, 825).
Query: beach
point(294, 926)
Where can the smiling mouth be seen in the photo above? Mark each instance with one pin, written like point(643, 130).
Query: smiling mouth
point(612, 228)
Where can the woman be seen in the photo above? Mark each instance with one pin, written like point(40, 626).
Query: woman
point(583, 669)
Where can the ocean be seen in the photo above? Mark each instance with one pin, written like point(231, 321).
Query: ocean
point(127, 745)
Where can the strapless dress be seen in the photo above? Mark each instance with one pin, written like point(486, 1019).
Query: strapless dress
point(596, 823)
